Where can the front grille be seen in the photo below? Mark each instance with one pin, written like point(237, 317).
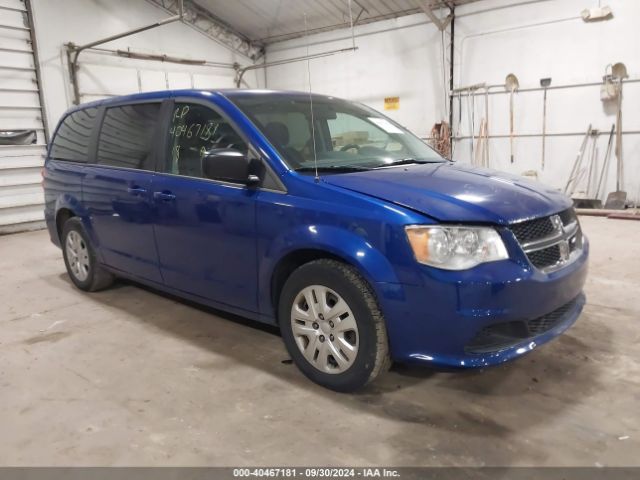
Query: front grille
point(545, 257)
point(507, 334)
point(535, 237)
point(545, 323)
point(567, 216)
point(532, 229)
point(576, 241)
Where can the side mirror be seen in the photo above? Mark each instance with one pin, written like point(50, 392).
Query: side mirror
point(228, 165)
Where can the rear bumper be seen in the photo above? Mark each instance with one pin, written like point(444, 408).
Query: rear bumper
point(440, 322)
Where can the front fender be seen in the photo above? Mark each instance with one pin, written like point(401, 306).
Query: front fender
point(345, 244)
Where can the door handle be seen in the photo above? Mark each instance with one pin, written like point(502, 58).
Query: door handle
point(164, 196)
point(135, 190)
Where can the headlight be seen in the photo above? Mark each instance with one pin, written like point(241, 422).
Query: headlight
point(455, 248)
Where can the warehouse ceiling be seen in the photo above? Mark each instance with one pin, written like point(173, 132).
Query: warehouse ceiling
point(268, 21)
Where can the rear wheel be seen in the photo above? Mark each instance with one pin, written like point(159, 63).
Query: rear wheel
point(332, 326)
point(80, 258)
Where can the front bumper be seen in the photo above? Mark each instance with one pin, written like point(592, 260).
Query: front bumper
point(439, 322)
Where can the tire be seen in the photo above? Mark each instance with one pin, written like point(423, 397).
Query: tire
point(350, 340)
point(80, 258)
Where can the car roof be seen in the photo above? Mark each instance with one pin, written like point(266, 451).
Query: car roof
point(194, 92)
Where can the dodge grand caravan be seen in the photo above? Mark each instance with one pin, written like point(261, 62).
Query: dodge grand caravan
point(320, 216)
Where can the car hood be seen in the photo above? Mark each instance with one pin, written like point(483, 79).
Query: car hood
point(452, 193)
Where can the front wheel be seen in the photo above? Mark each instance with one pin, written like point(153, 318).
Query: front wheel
point(332, 325)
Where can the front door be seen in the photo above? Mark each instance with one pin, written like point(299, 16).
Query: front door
point(205, 230)
point(118, 189)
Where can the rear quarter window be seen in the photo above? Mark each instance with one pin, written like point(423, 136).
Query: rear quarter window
point(71, 142)
point(126, 136)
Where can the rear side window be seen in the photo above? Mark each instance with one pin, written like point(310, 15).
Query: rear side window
point(126, 136)
point(71, 141)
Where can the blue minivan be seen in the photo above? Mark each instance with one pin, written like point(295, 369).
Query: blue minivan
point(318, 215)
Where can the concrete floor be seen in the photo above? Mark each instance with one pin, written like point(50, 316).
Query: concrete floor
point(130, 377)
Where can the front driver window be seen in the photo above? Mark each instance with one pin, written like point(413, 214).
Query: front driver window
point(195, 130)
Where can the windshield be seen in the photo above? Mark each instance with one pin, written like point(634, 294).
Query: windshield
point(348, 136)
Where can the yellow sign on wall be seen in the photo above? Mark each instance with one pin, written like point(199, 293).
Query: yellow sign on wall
point(392, 103)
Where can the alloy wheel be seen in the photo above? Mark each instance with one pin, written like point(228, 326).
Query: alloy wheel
point(77, 256)
point(325, 329)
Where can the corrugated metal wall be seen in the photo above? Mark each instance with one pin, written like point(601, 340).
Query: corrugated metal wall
point(21, 197)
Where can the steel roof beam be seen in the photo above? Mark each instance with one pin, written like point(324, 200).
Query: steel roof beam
point(428, 7)
point(207, 23)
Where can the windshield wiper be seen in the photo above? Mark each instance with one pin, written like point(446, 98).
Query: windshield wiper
point(333, 168)
point(407, 161)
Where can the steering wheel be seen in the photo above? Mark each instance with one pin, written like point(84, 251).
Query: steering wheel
point(349, 146)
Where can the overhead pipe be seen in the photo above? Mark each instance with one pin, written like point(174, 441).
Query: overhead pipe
point(534, 135)
point(17, 69)
point(243, 70)
point(282, 37)
point(128, 53)
point(13, 27)
point(15, 50)
point(157, 58)
point(370, 19)
point(506, 30)
point(172, 59)
point(18, 90)
point(459, 91)
point(20, 107)
point(12, 9)
point(74, 51)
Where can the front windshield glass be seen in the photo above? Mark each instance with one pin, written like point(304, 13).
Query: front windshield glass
point(348, 136)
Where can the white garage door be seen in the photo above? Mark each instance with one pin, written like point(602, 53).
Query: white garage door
point(22, 131)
